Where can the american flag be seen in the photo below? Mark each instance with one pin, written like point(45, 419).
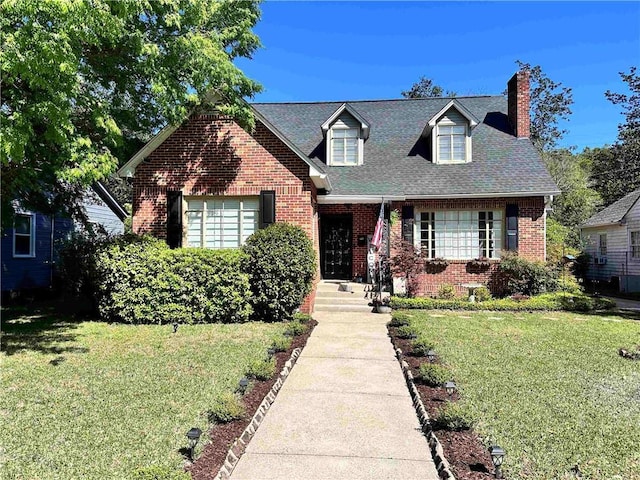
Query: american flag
point(376, 241)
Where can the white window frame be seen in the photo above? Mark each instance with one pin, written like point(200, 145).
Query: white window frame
point(602, 252)
point(635, 245)
point(432, 249)
point(31, 235)
point(446, 122)
point(359, 146)
point(203, 219)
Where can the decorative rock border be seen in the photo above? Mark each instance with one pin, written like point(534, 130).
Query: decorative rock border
point(239, 445)
point(442, 465)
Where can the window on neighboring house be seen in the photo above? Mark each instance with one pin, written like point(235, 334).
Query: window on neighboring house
point(602, 244)
point(635, 244)
point(24, 235)
point(461, 234)
point(344, 146)
point(221, 222)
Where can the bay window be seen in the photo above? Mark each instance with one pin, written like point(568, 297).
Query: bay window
point(460, 234)
point(221, 222)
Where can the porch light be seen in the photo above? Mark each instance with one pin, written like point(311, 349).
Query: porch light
point(431, 355)
point(497, 456)
point(243, 384)
point(450, 387)
point(193, 435)
point(175, 327)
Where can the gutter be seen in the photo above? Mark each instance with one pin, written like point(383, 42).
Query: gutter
point(333, 199)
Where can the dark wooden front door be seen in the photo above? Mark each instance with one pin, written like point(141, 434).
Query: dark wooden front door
point(335, 246)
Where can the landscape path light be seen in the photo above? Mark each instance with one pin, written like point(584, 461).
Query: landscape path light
point(243, 384)
point(193, 435)
point(431, 355)
point(175, 327)
point(497, 456)
point(450, 387)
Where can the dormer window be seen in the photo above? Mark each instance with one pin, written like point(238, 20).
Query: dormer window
point(344, 146)
point(450, 134)
point(345, 132)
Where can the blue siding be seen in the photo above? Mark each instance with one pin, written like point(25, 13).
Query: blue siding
point(25, 273)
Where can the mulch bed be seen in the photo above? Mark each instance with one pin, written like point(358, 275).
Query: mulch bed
point(464, 450)
point(223, 435)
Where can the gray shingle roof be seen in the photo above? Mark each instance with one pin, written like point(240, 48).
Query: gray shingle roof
point(397, 160)
point(615, 212)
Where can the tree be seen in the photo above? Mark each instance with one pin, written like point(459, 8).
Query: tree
point(85, 83)
point(616, 169)
point(550, 101)
point(425, 88)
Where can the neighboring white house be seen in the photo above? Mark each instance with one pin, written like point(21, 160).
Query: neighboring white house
point(612, 238)
point(103, 210)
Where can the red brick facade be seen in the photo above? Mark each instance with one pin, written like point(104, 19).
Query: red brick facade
point(210, 155)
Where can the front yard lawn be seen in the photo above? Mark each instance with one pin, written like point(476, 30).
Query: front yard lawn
point(548, 387)
point(97, 400)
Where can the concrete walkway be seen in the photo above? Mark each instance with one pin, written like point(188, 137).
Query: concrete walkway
point(343, 413)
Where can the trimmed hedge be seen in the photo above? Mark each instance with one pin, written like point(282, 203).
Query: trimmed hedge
point(281, 263)
point(548, 301)
point(146, 282)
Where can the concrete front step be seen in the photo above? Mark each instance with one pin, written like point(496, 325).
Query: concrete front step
point(335, 286)
point(342, 308)
point(342, 300)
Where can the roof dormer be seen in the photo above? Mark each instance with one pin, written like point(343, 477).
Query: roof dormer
point(345, 132)
point(450, 132)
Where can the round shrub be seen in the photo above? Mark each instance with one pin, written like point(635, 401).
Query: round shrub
point(226, 408)
point(281, 264)
point(453, 417)
point(155, 472)
point(146, 282)
point(433, 374)
point(446, 291)
point(407, 332)
point(482, 294)
point(526, 277)
point(262, 369)
point(281, 344)
point(295, 328)
point(421, 346)
point(399, 319)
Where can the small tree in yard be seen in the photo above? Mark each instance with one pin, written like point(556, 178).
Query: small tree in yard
point(407, 262)
point(281, 263)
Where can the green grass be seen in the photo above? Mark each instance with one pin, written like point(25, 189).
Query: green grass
point(548, 387)
point(96, 400)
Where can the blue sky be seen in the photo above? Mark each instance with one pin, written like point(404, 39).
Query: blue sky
point(317, 51)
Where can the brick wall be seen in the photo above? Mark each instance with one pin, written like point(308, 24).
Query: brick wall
point(211, 155)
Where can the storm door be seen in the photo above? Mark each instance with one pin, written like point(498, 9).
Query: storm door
point(335, 246)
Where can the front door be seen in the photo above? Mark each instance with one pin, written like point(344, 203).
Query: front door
point(335, 246)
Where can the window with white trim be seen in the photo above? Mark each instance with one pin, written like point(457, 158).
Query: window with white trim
point(344, 146)
point(221, 222)
point(602, 244)
point(452, 143)
point(24, 235)
point(634, 243)
point(460, 234)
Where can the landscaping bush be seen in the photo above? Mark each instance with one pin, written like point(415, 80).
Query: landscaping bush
point(281, 344)
point(446, 291)
point(525, 276)
point(295, 328)
point(302, 317)
point(226, 408)
point(421, 346)
point(281, 264)
point(433, 374)
point(262, 369)
point(407, 332)
point(482, 294)
point(146, 282)
point(155, 472)
point(547, 301)
point(399, 319)
point(453, 417)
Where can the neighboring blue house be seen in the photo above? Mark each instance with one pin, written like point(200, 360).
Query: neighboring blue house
point(29, 249)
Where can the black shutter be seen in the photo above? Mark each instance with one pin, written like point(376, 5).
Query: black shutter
point(407, 223)
point(267, 208)
point(174, 219)
point(512, 227)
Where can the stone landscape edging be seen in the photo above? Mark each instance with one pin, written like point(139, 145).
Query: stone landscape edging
point(238, 446)
point(442, 464)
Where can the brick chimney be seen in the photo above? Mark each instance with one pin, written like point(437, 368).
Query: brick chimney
point(518, 103)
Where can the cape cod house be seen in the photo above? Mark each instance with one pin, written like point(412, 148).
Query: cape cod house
point(461, 173)
point(612, 239)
